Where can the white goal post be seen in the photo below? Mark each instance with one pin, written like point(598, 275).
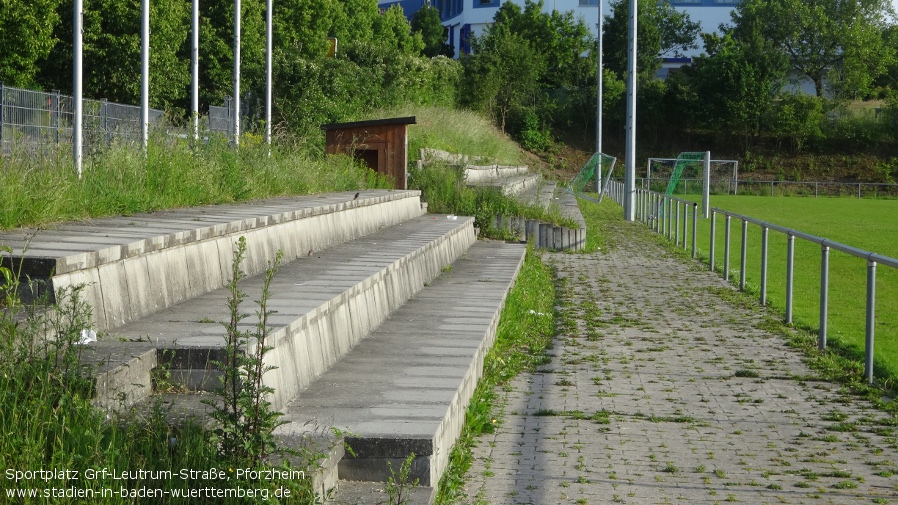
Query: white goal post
point(715, 176)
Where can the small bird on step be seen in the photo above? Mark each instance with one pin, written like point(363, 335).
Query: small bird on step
point(356, 196)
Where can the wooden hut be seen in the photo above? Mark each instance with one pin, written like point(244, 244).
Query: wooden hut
point(381, 143)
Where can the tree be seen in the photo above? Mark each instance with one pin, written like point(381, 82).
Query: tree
point(502, 74)
point(661, 31)
point(27, 27)
point(112, 52)
point(217, 48)
point(427, 23)
point(561, 39)
point(836, 40)
point(301, 27)
point(734, 83)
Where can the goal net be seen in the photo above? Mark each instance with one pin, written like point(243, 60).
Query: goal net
point(684, 175)
point(593, 177)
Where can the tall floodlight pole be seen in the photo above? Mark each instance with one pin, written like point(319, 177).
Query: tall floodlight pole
point(630, 176)
point(195, 70)
point(599, 102)
point(77, 91)
point(145, 75)
point(268, 34)
point(236, 123)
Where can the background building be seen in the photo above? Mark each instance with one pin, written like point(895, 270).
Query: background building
point(463, 18)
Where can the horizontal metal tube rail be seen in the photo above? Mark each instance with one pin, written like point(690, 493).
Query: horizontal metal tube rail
point(661, 202)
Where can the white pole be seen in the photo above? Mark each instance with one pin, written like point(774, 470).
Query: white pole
point(706, 186)
point(630, 176)
point(77, 91)
point(237, 72)
point(195, 70)
point(145, 75)
point(268, 83)
point(599, 103)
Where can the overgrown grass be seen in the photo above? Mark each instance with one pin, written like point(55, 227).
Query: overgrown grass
point(41, 188)
point(456, 131)
point(526, 328)
point(443, 188)
point(48, 422)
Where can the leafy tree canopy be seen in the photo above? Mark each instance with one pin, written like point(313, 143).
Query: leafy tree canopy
point(839, 41)
point(427, 23)
point(27, 27)
point(661, 31)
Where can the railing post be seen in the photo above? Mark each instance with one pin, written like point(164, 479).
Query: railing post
point(742, 255)
point(54, 115)
point(676, 232)
point(694, 228)
point(711, 251)
point(824, 295)
point(104, 110)
point(764, 237)
point(685, 222)
point(790, 275)
point(726, 250)
point(871, 320)
point(670, 217)
point(2, 102)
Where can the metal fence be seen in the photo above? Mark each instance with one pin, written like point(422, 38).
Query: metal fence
point(775, 188)
point(33, 119)
point(37, 118)
point(677, 219)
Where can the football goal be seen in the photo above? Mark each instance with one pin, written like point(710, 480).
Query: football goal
point(684, 175)
point(591, 181)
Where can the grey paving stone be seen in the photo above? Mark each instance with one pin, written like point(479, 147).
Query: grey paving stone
point(658, 351)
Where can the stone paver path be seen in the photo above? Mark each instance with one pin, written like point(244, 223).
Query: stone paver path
point(661, 391)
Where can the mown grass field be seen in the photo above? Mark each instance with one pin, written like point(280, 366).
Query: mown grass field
point(870, 225)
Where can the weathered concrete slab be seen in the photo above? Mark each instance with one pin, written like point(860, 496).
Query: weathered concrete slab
point(405, 388)
point(326, 303)
point(187, 252)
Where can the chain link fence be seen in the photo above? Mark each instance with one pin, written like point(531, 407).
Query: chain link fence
point(34, 119)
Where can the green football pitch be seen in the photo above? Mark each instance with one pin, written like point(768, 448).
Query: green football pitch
point(870, 225)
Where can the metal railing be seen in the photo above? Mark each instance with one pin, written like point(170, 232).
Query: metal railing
point(663, 215)
point(37, 118)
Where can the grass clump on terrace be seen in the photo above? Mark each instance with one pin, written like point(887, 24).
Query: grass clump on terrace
point(44, 188)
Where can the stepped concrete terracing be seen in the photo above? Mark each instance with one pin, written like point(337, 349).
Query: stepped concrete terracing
point(137, 265)
point(382, 317)
point(518, 182)
point(405, 388)
point(325, 305)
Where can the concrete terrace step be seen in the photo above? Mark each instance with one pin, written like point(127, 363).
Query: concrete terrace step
point(542, 195)
point(405, 388)
point(325, 305)
point(476, 174)
point(137, 265)
point(510, 185)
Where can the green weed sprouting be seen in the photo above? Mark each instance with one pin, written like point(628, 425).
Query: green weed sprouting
point(246, 419)
point(397, 486)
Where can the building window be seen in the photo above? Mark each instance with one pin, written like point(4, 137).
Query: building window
point(589, 2)
point(486, 3)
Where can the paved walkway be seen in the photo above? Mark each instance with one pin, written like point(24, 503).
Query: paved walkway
point(661, 391)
